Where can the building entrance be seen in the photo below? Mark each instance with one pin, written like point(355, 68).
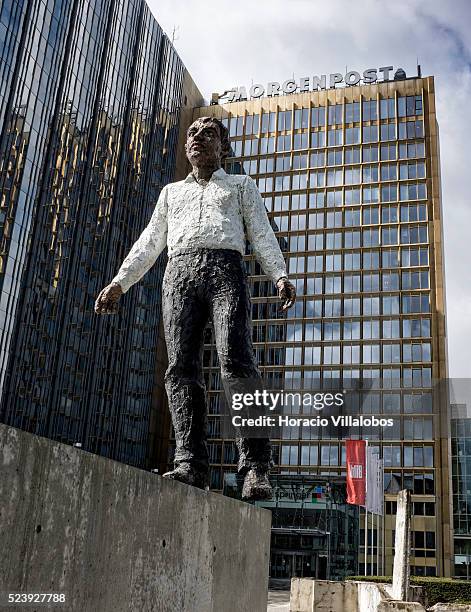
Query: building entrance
point(287, 565)
point(315, 533)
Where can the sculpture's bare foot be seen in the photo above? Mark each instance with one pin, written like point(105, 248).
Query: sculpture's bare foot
point(188, 475)
point(256, 485)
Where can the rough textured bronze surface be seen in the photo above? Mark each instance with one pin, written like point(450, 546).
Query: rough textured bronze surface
point(206, 280)
point(198, 286)
point(218, 214)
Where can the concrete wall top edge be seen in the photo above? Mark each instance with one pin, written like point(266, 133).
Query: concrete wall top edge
point(80, 455)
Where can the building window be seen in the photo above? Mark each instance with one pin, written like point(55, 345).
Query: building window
point(388, 131)
point(352, 218)
point(390, 304)
point(415, 303)
point(331, 353)
point(268, 122)
point(289, 454)
point(414, 257)
point(391, 328)
point(352, 112)
point(335, 113)
point(370, 237)
point(416, 328)
point(236, 126)
point(300, 141)
point(352, 136)
point(370, 195)
point(370, 133)
point(411, 150)
point(387, 108)
point(352, 155)
point(417, 352)
point(410, 129)
point(317, 159)
point(317, 140)
point(370, 153)
point(388, 152)
point(389, 172)
point(371, 329)
point(370, 260)
point(252, 124)
point(414, 234)
point(334, 137)
point(415, 280)
point(301, 118)
point(408, 106)
point(413, 170)
point(370, 174)
point(413, 212)
point(318, 116)
point(370, 110)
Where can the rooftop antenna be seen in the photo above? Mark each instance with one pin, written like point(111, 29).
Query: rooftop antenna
point(419, 69)
point(174, 33)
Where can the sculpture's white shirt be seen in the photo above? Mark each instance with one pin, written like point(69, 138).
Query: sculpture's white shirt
point(189, 215)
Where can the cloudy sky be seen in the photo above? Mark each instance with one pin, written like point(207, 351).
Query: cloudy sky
point(227, 43)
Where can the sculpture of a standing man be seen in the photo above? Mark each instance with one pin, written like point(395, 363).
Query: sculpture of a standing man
point(203, 220)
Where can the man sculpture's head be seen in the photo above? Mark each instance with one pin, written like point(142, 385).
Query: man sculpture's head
point(207, 143)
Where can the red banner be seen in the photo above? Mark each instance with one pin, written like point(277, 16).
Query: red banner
point(356, 472)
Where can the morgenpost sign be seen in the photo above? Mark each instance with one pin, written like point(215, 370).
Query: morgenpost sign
point(314, 83)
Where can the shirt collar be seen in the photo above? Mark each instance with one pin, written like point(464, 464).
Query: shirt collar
point(220, 173)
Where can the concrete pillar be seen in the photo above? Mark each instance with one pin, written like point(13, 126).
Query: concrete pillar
point(401, 572)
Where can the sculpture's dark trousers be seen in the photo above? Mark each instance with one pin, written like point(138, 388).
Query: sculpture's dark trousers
point(200, 285)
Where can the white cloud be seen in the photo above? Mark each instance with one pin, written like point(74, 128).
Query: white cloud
point(224, 44)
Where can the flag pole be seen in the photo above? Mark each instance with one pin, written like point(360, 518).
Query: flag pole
point(383, 552)
point(373, 543)
point(377, 545)
point(371, 539)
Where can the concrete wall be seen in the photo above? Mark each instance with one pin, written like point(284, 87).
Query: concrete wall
point(308, 595)
point(452, 607)
point(400, 606)
point(369, 596)
point(115, 538)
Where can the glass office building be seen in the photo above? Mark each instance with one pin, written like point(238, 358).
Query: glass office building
point(459, 393)
point(90, 101)
point(351, 179)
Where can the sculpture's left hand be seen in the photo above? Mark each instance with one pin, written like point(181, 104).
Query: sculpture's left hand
point(286, 292)
point(107, 300)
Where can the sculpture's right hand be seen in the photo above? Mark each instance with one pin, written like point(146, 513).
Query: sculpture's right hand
point(107, 300)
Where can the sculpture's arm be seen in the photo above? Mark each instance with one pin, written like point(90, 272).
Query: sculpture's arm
point(260, 233)
point(147, 247)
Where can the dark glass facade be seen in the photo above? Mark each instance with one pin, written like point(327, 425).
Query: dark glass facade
point(351, 181)
point(461, 456)
point(90, 101)
point(461, 462)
